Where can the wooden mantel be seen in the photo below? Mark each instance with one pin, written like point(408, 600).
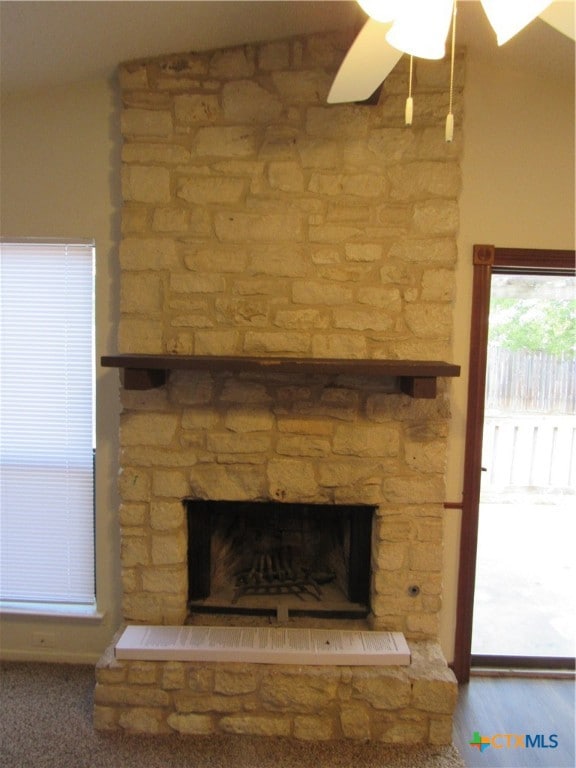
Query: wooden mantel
point(417, 378)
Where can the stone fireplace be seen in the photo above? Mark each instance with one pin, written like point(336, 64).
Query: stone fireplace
point(257, 221)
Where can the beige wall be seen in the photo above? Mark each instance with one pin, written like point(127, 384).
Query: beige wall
point(518, 191)
point(60, 168)
point(60, 178)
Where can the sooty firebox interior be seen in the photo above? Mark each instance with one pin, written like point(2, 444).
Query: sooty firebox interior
point(260, 558)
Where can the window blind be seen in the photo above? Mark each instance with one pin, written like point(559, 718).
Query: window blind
point(46, 422)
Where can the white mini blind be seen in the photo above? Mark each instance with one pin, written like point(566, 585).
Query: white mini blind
point(46, 423)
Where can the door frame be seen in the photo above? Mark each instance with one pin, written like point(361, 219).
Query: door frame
point(486, 260)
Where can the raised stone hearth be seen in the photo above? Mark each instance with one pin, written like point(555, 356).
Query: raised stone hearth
point(396, 705)
point(260, 222)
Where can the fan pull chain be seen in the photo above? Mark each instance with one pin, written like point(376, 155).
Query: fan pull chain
point(449, 132)
point(409, 111)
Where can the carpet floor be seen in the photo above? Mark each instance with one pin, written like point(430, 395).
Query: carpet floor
point(46, 722)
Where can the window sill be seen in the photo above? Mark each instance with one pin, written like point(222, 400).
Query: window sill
point(52, 611)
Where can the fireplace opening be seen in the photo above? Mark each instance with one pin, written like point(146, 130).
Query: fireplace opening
point(273, 558)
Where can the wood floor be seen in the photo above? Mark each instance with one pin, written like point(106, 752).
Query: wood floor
point(516, 706)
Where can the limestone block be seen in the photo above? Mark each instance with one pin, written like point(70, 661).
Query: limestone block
point(438, 285)
point(199, 678)
point(429, 456)
point(256, 725)
point(200, 418)
point(145, 184)
point(435, 695)
point(305, 426)
point(391, 556)
point(275, 55)
point(143, 672)
point(168, 482)
point(132, 76)
point(217, 342)
point(146, 720)
point(205, 190)
point(146, 122)
point(251, 311)
point(414, 489)
point(441, 729)
point(339, 345)
point(213, 481)
point(366, 440)
point(355, 721)
point(134, 484)
point(131, 515)
point(432, 250)
point(302, 693)
point(386, 298)
point(248, 419)
point(301, 318)
point(363, 320)
point(390, 690)
point(436, 217)
point(299, 445)
point(313, 728)
point(169, 549)
point(194, 109)
point(240, 227)
point(229, 141)
point(333, 233)
point(146, 154)
point(302, 87)
point(166, 579)
point(280, 342)
point(234, 683)
point(401, 729)
point(127, 695)
point(317, 153)
point(196, 283)
point(232, 63)
point(143, 336)
point(142, 607)
point(286, 176)
point(339, 122)
point(172, 220)
point(173, 675)
point(421, 180)
point(244, 101)
point(187, 702)
point(288, 479)
point(429, 320)
point(105, 718)
point(148, 253)
point(191, 725)
point(238, 391)
point(424, 625)
point(322, 293)
point(363, 252)
point(215, 259)
point(156, 429)
point(134, 551)
point(140, 293)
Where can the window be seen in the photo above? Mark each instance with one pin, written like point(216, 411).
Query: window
point(46, 424)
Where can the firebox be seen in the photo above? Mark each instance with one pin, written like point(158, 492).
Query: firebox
point(266, 558)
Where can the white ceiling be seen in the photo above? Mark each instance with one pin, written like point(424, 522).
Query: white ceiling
point(49, 43)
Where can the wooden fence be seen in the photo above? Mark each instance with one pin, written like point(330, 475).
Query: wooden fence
point(530, 381)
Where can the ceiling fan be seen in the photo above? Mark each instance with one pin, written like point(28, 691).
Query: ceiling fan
point(420, 28)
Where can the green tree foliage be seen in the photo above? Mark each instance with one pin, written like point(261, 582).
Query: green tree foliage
point(534, 325)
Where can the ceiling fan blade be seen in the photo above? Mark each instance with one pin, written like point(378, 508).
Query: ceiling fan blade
point(366, 65)
point(562, 16)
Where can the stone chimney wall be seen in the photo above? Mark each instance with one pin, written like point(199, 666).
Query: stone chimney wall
point(258, 220)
